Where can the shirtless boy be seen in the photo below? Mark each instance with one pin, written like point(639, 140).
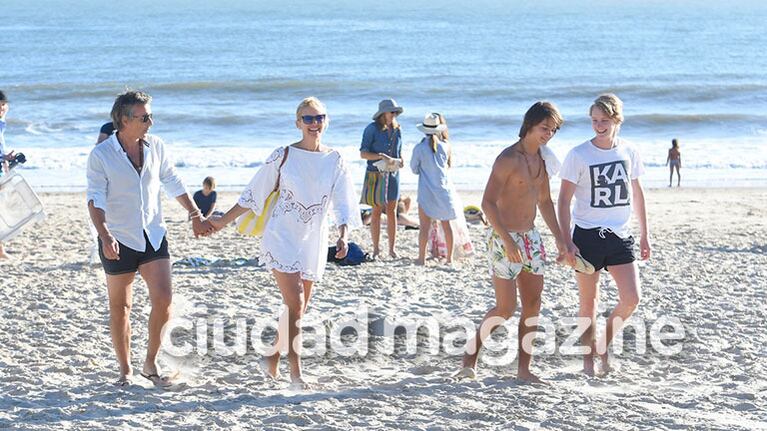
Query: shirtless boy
point(518, 185)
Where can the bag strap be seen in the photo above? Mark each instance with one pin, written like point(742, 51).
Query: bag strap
point(279, 170)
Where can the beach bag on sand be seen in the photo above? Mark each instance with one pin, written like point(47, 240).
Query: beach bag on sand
point(354, 257)
point(252, 224)
point(437, 245)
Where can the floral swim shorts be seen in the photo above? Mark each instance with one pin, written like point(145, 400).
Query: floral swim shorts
point(533, 254)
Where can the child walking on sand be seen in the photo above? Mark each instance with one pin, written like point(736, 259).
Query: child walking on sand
point(603, 176)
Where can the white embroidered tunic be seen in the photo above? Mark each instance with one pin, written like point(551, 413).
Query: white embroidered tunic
point(296, 236)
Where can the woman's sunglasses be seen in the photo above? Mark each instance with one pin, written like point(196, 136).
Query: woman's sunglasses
point(310, 119)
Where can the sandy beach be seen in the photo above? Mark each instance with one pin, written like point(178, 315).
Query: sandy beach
point(708, 271)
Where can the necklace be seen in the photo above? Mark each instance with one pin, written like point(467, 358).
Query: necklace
point(527, 163)
point(140, 155)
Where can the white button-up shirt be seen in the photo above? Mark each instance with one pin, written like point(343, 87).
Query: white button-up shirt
point(131, 201)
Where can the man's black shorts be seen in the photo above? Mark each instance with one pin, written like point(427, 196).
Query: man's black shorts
point(603, 248)
point(130, 259)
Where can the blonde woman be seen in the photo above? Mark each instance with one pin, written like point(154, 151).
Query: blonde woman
point(436, 199)
point(603, 176)
point(310, 177)
point(382, 148)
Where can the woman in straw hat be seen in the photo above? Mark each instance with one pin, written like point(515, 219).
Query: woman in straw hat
point(382, 148)
point(430, 161)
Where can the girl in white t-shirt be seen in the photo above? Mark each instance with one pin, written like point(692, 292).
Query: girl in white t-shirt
point(603, 175)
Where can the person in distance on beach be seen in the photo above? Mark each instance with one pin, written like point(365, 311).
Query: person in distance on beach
point(309, 177)
point(603, 176)
point(674, 161)
point(518, 184)
point(125, 174)
point(382, 141)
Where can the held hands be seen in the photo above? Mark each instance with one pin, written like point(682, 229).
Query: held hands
point(110, 247)
point(562, 252)
point(200, 226)
point(342, 248)
point(569, 253)
point(217, 223)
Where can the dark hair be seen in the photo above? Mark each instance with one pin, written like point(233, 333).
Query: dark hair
point(124, 103)
point(2, 97)
point(537, 114)
point(210, 182)
point(674, 143)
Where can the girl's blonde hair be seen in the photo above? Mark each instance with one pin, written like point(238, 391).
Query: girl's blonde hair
point(443, 136)
point(313, 102)
point(611, 105)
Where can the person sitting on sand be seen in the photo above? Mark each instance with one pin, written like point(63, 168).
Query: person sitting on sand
point(382, 141)
point(206, 198)
point(603, 175)
point(403, 219)
point(431, 159)
point(125, 175)
point(519, 182)
point(674, 161)
point(310, 177)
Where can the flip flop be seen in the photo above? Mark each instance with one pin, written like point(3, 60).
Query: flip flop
point(124, 381)
point(157, 380)
point(465, 373)
point(583, 265)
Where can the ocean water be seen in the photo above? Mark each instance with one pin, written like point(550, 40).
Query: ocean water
point(226, 78)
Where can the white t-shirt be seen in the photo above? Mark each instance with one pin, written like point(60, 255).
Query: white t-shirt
point(603, 185)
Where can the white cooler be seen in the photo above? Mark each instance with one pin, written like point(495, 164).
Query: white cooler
point(19, 205)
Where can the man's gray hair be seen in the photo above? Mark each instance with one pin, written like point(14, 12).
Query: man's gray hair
point(123, 106)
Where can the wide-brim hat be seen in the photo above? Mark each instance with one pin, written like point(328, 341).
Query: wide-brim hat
point(431, 125)
point(387, 105)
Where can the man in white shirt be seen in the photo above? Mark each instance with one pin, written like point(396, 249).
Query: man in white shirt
point(125, 173)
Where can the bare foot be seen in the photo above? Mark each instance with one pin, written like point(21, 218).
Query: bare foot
point(465, 373)
point(420, 262)
point(528, 377)
point(376, 253)
point(393, 254)
point(606, 368)
point(270, 365)
point(588, 366)
point(298, 383)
